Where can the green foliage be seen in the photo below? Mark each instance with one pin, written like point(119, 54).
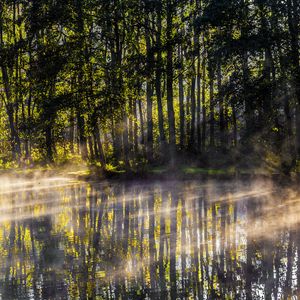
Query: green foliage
point(101, 79)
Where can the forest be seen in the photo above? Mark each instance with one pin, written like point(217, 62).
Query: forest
point(149, 149)
point(125, 83)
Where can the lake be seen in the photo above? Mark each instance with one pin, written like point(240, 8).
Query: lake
point(64, 239)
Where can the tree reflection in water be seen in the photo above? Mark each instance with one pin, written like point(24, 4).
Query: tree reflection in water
point(167, 240)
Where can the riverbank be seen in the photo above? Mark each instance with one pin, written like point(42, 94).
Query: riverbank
point(152, 173)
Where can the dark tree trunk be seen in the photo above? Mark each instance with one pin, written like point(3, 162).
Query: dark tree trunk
point(91, 147)
point(72, 131)
point(171, 116)
point(158, 80)
point(193, 113)
point(293, 23)
point(130, 130)
point(211, 109)
point(203, 104)
point(49, 142)
point(82, 136)
point(99, 145)
point(149, 91)
point(234, 122)
point(135, 129)
point(141, 122)
point(198, 106)
point(221, 107)
point(181, 100)
point(149, 122)
point(125, 139)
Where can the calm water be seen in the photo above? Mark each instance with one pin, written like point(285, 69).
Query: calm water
point(193, 240)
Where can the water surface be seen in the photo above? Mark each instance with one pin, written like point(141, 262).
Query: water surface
point(163, 240)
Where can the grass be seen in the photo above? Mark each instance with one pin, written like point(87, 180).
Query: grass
point(196, 170)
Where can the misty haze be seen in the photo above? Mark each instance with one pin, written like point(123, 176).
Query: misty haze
point(62, 239)
point(149, 149)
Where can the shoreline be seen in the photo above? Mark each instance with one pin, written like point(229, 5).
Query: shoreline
point(181, 173)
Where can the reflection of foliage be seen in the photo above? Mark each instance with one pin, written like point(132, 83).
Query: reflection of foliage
point(84, 241)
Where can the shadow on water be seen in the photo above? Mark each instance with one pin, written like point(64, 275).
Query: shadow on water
point(191, 240)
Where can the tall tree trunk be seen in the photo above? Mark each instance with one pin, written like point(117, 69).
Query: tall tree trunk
point(158, 79)
point(266, 119)
point(293, 23)
point(193, 87)
point(249, 111)
point(80, 117)
point(97, 138)
point(125, 139)
point(49, 141)
point(171, 116)
point(149, 121)
point(193, 112)
point(234, 121)
point(72, 131)
point(198, 106)
point(135, 128)
point(181, 99)
point(221, 106)
point(91, 147)
point(130, 129)
point(15, 140)
point(211, 108)
point(82, 136)
point(141, 122)
point(203, 102)
point(149, 90)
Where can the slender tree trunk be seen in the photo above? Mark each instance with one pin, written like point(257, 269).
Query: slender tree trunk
point(171, 116)
point(181, 99)
point(293, 23)
point(72, 131)
point(158, 80)
point(198, 106)
point(149, 91)
point(82, 136)
point(91, 147)
point(211, 109)
point(203, 103)
point(125, 139)
point(130, 129)
point(195, 76)
point(290, 142)
point(99, 145)
point(15, 140)
point(193, 112)
point(135, 128)
point(141, 122)
point(234, 121)
point(80, 117)
point(149, 122)
point(221, 107)
point(49, 141)
point(188, 112)
point(249, 112)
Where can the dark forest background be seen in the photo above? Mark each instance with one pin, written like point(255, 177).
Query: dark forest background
point(124, 83)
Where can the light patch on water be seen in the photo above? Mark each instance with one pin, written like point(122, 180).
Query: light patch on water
point(113, 236)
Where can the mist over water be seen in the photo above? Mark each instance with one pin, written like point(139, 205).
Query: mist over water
point(61, 239)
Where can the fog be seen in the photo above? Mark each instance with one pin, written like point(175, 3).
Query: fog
point(208, 240)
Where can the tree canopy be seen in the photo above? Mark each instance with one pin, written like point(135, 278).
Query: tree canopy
point(135, 81)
